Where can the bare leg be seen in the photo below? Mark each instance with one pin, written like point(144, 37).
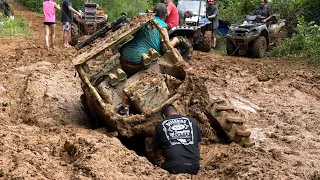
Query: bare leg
point(213, 40)
point(68, 36)
point(47, 30)
point(174, 41)
point(52, 34)
point(65, 38)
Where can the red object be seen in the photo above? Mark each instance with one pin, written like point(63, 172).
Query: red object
point(172, 19)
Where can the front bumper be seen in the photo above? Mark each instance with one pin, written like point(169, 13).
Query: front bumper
point(242, 41)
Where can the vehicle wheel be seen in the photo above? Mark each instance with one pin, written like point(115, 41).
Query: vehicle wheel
point(74, 34)
point(231, 49)
point(185, 48)
point(229, 124)
point(207, 41)
point(259, 47)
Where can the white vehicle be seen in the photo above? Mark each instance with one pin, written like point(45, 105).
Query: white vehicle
point(196, 30)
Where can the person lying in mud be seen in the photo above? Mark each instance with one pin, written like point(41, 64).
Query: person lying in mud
point(147, 37)
point(178, 139)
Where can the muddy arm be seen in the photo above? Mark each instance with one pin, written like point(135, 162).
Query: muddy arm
point(167, 42)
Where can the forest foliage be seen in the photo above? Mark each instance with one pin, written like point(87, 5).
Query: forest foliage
point(302, 18)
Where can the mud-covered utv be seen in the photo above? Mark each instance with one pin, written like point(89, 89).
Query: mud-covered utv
point(92, 20)
point(130, 106)
point(255, 36)
point(196, 29)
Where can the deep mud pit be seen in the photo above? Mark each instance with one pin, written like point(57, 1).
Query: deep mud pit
point(43, 132)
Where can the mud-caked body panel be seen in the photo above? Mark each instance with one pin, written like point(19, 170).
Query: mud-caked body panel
point(130, 105)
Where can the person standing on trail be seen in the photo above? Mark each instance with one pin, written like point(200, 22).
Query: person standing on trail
point(178, 139)
point(212, 13)
point(49, 13)
point(172, 18)
point(66, 19)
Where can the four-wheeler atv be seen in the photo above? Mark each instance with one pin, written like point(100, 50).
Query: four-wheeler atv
point(254, 36)
point(92, 21)
point(196, 29)
point(129, 107)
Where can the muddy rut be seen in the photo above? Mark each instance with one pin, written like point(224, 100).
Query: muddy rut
point(43, 132)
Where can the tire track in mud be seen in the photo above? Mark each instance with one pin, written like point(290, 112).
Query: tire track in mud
point(284, 123)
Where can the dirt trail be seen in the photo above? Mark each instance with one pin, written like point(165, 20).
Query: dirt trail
point(43, 132)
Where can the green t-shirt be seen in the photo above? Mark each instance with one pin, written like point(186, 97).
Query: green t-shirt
point(143, 40)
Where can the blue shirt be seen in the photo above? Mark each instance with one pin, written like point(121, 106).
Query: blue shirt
point(66, 15)
point(143, 40)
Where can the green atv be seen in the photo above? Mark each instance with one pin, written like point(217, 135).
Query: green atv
point(254, 36)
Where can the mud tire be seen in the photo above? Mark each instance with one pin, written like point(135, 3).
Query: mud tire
point(231, 49)
point(226, 121)
point(259, 47)
point(74, 34)
point(206, 47)
point(185, 48)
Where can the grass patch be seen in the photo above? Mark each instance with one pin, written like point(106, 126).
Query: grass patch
point(220, 45)
point(304, 44)
point(13, 26)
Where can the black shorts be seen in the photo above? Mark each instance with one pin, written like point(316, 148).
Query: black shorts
point(214, 32)
point(184, 168)
point(49, 23)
